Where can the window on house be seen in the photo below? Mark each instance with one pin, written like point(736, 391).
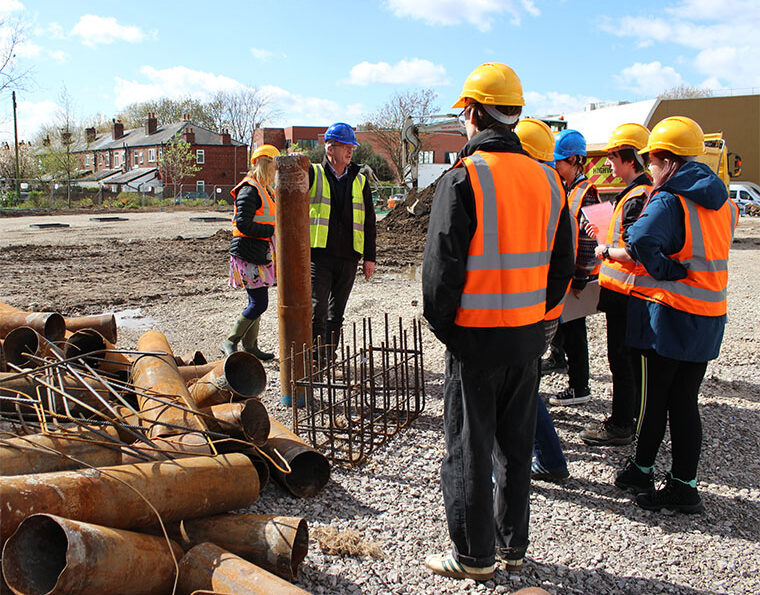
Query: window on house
point(200, 187)
point(116, 159)
point(200, 156)
point(151, 155)
point(426, 157)
point(87, 161)
point(136, 159)
point(108, 159)
point(451, 157)
point(307, 143)
point(142, 158)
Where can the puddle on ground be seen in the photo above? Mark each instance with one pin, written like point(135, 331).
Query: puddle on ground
point(133, 319)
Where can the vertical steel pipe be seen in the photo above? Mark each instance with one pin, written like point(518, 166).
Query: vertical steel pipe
point(49, 555)
point(105, 324)
point(23, 342)
point(239, 375)
point(275, 543)
point(310, 470)
point(121, 496)
point(246, 419)
point(49, 324)
point(207, 567)
point(103, 357)
point(293, 267)
point(58, 451)
point(159, 374)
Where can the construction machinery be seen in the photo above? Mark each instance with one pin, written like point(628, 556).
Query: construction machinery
point(411, 142)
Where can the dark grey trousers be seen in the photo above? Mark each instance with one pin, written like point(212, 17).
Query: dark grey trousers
point(331, 282)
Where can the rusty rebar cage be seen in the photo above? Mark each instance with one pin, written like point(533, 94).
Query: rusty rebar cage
point(359, 393)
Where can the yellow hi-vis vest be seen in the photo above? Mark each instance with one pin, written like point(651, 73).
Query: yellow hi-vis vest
point(319, 209)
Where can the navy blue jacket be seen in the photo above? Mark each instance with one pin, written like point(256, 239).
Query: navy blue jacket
point(660, 231)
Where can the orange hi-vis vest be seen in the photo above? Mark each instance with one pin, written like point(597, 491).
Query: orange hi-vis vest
point(574, 203)
point(615, 274)
point(264, 214)
point(705, 255)
point(517, 203)
point(556, 311)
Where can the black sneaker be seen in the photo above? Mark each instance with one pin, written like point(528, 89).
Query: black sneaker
point(607, 434)
point(676, 496)
point(570, 397)
point(634, 480)
point(553, 364)
point(538, 471)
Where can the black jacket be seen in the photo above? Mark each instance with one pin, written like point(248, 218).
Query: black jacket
point(252, 249)
point(452, 225)
point(340, 236)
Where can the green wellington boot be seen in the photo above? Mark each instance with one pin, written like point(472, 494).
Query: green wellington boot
point(242, 324)
point(251, 342)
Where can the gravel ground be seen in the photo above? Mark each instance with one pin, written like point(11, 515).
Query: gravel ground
point(586, 536)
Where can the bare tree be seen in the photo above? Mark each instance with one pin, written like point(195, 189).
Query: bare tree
point(167, 111)
point(28, 162)
point(176, 162)
point(57, 158)
point(685, 92)
point(244, 111)
point(386, 123)
point(11, 77)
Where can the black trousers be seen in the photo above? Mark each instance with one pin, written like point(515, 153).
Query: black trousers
point(331, 282)
point(571, 341)
point(625, 367)
point(670, 394)
point(489, 421)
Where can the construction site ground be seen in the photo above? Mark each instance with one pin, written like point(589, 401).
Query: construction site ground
point(161, 270)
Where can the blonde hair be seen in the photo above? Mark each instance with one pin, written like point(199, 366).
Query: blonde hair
point(263, 171)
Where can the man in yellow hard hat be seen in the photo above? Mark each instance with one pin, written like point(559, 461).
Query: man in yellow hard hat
point(498, 256)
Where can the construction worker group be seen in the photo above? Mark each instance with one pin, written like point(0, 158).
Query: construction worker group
point(510, 243)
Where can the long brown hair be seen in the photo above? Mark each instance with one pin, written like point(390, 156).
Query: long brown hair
point(673, 163)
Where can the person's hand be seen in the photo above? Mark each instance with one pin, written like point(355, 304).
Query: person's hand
point(599, 250)
point(590, 229)
point(368, 268)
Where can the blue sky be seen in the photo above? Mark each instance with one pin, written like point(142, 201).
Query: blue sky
point(325, 61)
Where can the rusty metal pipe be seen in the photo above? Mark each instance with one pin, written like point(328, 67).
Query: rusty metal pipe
point(39, 453)
point(177, 446)
point(49, 555)
point(3, 361)
point(191, 358)
point(116, 496)
point(310, 470)
point(105, 324)
point(12, 384)
point(262, 468)
point(207, 567)
point(22, 342)
point(238, 375)
point(293, 266)
point(275, 543)
point(159, 374)
point(104, 358)
point(245, 419)
point(193, 372)
point(49, 324)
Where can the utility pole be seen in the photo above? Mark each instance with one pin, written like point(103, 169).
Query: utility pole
point(15, 134)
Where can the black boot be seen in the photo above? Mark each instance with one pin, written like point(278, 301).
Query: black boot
point(677, 496)
point(632, 479)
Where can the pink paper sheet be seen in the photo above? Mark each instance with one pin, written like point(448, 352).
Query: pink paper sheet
point(600, 216)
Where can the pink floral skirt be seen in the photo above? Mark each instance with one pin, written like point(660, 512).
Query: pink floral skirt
point(246, 275)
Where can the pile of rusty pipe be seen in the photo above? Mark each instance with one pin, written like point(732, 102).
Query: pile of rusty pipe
point(191, 358)
point(15, 385)
point(275, 543)
point(240, 375)
point(49, 324)
point(293, 266)
point(244, 419)
point(158, 374)
point(49, 555)
point(119, 496)
point(207, 567)
point(176, 446)
point(3, 361)
point(262, 468)
point(23, 342)
point(104, 358)
point(192, 372)
point(105, 324)
point(310, 470)
point(58, 451)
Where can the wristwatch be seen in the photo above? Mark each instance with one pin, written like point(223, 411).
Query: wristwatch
point(606, 253)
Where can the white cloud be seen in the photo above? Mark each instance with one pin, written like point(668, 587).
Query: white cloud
point(261, 54)
point(479, 13)
point(9, 6)
point(95, 30)
point(554, 103)
point(59, 56)
point(31, 117)
point(404, 72)
point(649, 79)
point(300, 110)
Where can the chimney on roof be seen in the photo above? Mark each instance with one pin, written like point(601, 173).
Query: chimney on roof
point(117, 130)
point(151, 123)
point(188, 135)
point(89, 135)
point(185, 117)
point(46, 141)
point(225, 137)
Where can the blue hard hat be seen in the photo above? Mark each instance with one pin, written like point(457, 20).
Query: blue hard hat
point(342, 133)
point(568, 143)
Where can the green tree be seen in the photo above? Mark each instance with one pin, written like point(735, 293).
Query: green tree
point(176, 163)
point(56, 157)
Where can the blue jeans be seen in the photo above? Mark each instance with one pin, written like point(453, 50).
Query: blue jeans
point(547, 448)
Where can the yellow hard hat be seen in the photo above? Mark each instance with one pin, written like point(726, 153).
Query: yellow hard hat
point(536, 138)
point(628, 135)
point(265, 151)
point(679, 135)
point(492, 84)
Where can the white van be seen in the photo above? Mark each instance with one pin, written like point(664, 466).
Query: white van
point(744, 193)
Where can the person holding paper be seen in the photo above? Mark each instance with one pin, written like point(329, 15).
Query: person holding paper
point(571, 340)
point(615, 282)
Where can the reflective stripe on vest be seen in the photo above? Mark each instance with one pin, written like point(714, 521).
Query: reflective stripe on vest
point(575, 203)
point(708, 236)
point(264, 214)
point(518, 203)
point(319, 209)
point(615, 274)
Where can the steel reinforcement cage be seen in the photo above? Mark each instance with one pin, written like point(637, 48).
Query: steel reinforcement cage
point(357, 396)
